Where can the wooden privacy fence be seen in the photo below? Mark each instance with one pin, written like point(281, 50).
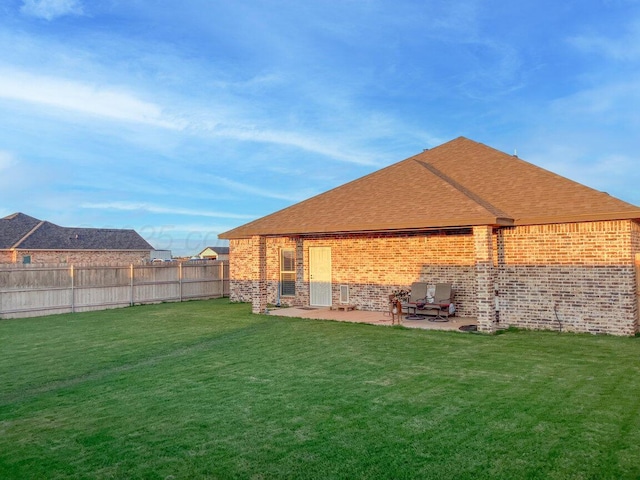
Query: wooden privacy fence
point(28, 291)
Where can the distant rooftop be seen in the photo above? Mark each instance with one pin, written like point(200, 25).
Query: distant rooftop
point(218, 250)
point(20, 231)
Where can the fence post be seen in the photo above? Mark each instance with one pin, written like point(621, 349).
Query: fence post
point(180, 279)
point(73, 292)
point(131, 276)
point(221, 278)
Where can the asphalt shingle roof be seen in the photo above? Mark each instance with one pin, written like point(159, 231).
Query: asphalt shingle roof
point(458, 184)
point(21, 231)
point(218, 250)
point(14, 227)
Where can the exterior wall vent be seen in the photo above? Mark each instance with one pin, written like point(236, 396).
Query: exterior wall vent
point(344, 293)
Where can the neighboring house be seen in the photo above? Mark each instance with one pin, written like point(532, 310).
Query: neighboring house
point(163, 255)
point(521, 246)
point(24, 239)
point(215, 253)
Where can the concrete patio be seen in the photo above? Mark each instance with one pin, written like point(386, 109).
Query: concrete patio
point(373, 318)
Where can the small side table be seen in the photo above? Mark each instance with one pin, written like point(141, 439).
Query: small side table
point(414, 315)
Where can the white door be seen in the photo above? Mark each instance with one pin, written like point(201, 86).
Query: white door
point(320, 276)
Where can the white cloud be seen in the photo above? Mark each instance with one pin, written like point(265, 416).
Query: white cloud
point(146, 207)
point(624, 47)
point(120, 105)
point(292, 139)
point(580, 161)
point(82, 98)
point(51, 9)
point(251, 189)
point(615, 102)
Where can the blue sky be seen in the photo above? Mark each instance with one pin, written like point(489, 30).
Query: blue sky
point(185, 119)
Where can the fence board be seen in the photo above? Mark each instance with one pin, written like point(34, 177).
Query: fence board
point(44, 290)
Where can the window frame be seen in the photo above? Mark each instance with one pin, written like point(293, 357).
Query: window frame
point(287, 274)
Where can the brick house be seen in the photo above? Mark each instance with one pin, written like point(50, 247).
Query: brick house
point(24, 239)
point(215, 253)
point(521, 246)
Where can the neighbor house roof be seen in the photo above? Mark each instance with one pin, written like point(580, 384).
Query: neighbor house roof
point(458, 184)
point(20, 231)
point(218, 250)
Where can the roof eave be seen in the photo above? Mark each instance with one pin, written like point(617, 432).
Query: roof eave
point(241, 233)
point(58, 249)
point(549, 219)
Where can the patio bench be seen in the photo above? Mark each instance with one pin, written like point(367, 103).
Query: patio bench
point(433, 301)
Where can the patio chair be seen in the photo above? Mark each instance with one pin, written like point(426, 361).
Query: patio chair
point(418, 296)
point(442, 304)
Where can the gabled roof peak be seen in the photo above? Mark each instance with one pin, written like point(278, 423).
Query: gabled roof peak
point(19, 215)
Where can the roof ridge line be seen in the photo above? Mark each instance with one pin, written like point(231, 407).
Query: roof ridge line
point(465, 191)
point(28, 234)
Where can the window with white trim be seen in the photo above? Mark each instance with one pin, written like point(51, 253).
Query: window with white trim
point(287, 272)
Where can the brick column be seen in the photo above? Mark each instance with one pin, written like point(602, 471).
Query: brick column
point(637, 291)
point(258, 274)
point(485, 281)
point(302, 288)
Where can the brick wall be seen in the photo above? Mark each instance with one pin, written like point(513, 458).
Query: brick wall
point(240, 274)
point(588, 243)
point(274, 246)
point(485, 277)
point(635, 248)
point(372, 266)
point(635, 238)
point(575, 277)
point(259, 271)
point(6, 257)
point(97, 257)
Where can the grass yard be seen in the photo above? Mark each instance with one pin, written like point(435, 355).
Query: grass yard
point(207, 390)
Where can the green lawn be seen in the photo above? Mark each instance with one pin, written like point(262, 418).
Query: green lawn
point(207, 390)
